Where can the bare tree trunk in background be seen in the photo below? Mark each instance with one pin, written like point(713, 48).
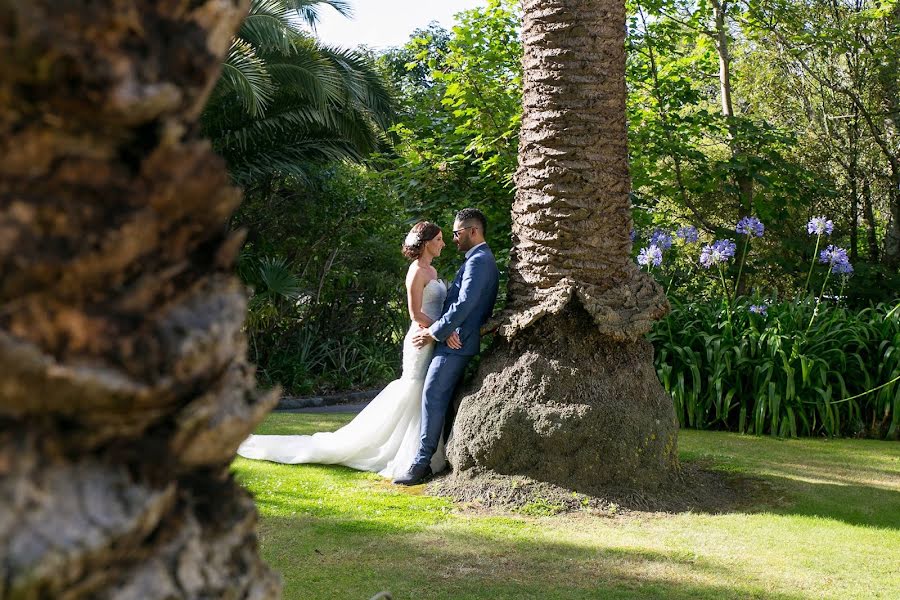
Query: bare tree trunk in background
point(743, 180)
point(869, 214)
point(570, 395)
point(891, 252)
point(853, 177)
point(887, 69)
point(125, 388)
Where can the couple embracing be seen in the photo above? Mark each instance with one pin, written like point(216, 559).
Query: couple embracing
point(400, 433)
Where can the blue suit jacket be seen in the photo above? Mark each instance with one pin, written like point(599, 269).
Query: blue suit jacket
point(469, 303)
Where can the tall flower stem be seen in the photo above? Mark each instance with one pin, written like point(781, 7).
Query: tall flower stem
point(834, 313)
point(737, 282)
point(818, 299)
point(727, 297)
point(812, 264)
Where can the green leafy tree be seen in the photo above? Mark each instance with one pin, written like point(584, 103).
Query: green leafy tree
point(847, 56)
point(323, 259)
point(701, 153)
point(461, 112)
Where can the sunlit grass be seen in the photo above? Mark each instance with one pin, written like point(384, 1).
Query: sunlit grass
point(833, 532)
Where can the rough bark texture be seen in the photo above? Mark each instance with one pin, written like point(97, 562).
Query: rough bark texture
point(570, 395)
point(572, 214)
point(125, 388)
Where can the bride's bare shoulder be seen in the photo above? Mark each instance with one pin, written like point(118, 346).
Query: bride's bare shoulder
point(416, 273)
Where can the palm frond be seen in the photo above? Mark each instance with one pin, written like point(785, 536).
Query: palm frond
point(307, 70)
point(268, 26)
point(308, 10)
point(244, 74)
point(365, 86)
point(278, 279)
point(285, 100)
point(292, 160)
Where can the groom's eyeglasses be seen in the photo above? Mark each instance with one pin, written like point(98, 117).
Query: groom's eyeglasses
point(457, 231)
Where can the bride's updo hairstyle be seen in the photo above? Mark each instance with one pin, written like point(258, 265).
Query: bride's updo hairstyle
point(421, 233)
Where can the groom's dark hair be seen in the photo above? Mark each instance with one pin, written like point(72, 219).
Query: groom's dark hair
point(472, 214)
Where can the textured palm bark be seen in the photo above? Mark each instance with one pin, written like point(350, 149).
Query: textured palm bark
point(124, 390)
point(572, 214)
point(569, 394)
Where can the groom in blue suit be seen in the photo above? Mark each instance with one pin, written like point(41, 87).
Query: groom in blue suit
point(468, 305)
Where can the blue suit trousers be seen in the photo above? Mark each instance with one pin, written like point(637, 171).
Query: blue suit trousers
point(444, 374)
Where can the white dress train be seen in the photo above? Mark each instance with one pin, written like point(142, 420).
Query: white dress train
point(384, 437)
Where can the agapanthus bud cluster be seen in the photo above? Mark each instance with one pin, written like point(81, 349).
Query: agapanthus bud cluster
point(758, 309)
point(652, 255)
point(661, 239)
point(688, 233)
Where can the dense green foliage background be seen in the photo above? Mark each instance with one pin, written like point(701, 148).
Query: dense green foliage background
point(783, 110)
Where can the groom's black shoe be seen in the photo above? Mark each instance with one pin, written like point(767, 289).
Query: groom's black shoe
point(417, 474)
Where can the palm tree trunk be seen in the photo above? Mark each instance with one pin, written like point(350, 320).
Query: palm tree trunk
point(125, 387)
point(569, 395)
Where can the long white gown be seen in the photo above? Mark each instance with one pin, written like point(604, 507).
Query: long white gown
point(384, 437)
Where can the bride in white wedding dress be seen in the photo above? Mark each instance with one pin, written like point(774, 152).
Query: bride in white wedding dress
point(384, 437)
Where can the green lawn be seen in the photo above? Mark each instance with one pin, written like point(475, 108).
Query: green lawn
point(830, 530)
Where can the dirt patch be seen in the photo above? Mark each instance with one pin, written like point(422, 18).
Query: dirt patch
point(697, 488)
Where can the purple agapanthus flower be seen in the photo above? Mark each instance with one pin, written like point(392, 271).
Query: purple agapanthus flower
point(661, 239)
point(837, 259)
point(688, 233)
point(750, 226)
point(717, 253)
point(833, 254)
point(842, 268)
point(819, 226)
point(633, 235)
point(758, 309)
point(650, 256)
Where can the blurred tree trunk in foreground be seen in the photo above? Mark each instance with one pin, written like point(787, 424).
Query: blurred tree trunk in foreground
point(124, 388)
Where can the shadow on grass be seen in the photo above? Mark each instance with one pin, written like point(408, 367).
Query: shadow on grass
point(853, 505)
point(337, 533)
point(853, 481)
point(446, 563)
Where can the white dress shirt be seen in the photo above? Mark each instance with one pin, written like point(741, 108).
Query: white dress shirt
point(472, 249)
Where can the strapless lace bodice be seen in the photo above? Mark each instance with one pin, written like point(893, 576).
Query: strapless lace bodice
point(415, 360)
point(433, 298)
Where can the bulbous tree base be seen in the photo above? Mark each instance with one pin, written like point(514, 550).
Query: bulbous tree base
point(560, 403)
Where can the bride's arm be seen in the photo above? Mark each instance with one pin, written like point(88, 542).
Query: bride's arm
point(416, 280)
